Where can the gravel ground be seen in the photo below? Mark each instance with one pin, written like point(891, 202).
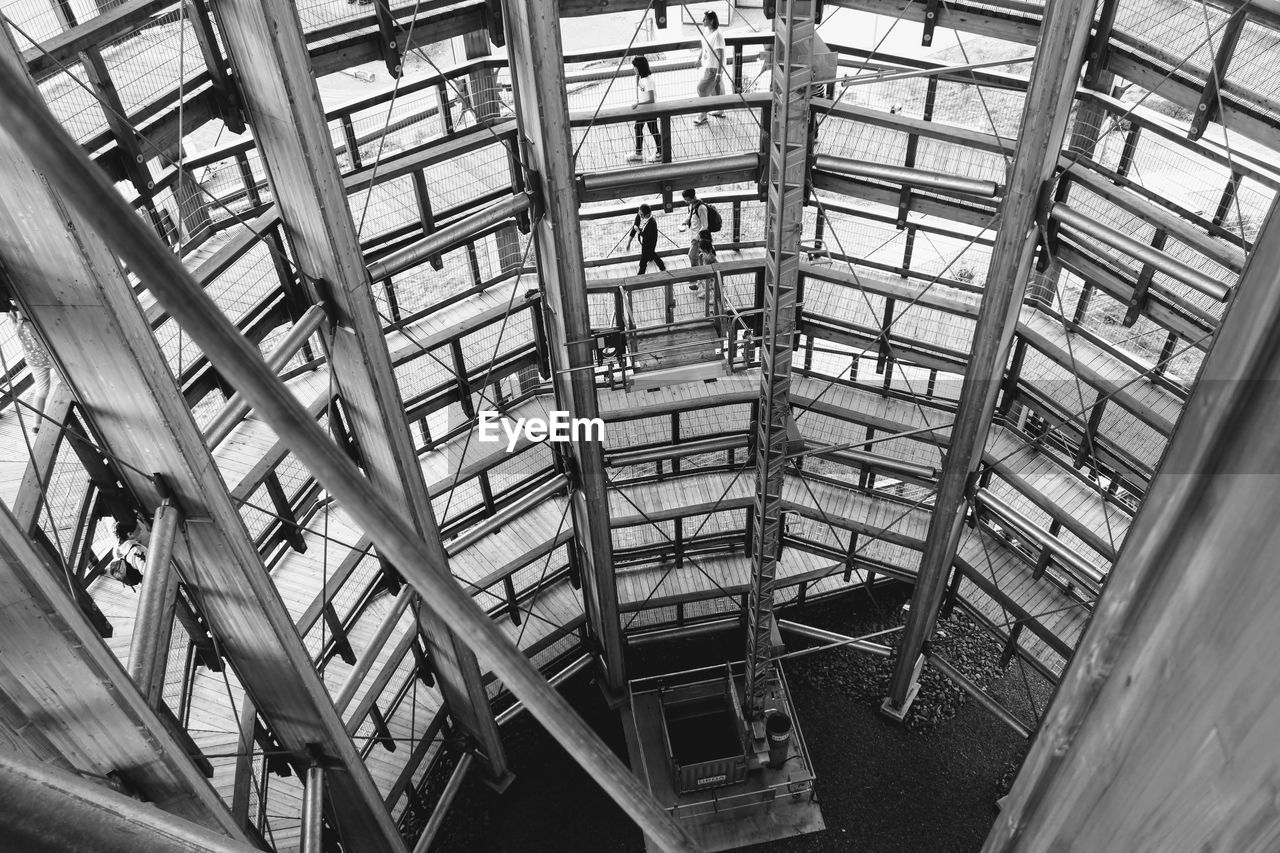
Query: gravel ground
point(930, 786)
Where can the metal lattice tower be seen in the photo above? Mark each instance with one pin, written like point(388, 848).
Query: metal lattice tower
point(793, 49)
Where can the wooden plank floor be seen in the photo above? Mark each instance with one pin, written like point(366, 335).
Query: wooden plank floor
point(457, 318)
point(1063, 494)
point(1042, 478)
point(1152, 404)
point(607, 145)
point(1155, 405)
point(1048, 611)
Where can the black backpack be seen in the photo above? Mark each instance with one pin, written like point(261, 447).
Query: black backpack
point(714, 222)
point(122, 570)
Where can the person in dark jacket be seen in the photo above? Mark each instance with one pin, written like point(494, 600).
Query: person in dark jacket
point(647, 230)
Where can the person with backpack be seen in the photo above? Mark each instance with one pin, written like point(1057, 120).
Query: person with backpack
point(647, 230)
point(645, 94)
point(129, 556)
point(704, 221)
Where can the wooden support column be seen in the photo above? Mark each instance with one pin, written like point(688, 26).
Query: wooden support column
point(157, 601)
point(1161, 735)
point(28, 504)
point(246, 764)
point(264, 40)
point(1053, 80)
point(537, 70)
point(75, 291)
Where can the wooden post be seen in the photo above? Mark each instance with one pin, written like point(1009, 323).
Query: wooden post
point(54, 659)
point(487, 99)
point(537, 72)
point(1064, 34)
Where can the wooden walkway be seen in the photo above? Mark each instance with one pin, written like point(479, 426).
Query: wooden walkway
point(1061, 492)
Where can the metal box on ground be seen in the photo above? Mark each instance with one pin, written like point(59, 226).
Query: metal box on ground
point(703, 729)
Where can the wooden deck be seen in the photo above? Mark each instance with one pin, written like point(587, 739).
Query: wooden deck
point(1062, 492)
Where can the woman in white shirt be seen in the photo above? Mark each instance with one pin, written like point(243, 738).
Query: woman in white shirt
point(645, 94)
point(710, 62)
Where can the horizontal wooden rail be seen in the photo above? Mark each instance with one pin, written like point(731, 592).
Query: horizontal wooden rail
point(503, 517)
point(1084, 572)
point(911, 177)
point(1162, 261)
point(711, 171)
point(450, 237)
point(683, 448)
point(237, 407)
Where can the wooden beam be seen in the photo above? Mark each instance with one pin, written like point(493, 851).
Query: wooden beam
point(50, 810)
point(265, 42)
point(66, 167)
point(1020, 29)
point(542, 111)
point(97, 31)
point(76, 292)
point(1053, 80)
point(1161, 734)
point(29, 502)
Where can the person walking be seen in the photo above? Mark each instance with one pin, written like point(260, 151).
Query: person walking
point(710, 63)
point(129, 556)
point(647, 230)
point(645, 94)
point(706, 258)
point(697, 223)
point(38, 362)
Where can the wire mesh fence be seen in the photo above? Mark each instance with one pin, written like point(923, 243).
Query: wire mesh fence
point(420, 287)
